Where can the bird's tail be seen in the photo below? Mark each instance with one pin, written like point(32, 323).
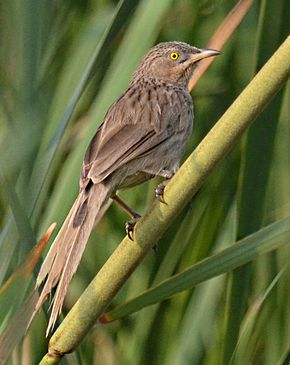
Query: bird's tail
point(66, 251)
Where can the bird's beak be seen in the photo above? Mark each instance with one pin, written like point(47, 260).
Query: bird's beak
point(203, 53)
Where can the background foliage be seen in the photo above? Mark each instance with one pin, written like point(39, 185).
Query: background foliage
point(238, 318)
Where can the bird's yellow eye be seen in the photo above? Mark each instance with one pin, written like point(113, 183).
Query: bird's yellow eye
point(174, 56)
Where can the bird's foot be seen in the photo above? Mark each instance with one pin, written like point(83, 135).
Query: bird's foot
point(159, 191)
point(129, 226)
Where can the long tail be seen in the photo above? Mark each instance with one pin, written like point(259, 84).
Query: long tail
point(66, 251)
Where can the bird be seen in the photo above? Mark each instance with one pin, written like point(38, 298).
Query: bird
point(143, 134)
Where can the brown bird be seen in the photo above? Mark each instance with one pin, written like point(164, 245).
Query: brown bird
point(143, 135)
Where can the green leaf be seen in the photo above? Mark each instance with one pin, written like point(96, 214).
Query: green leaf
point(258, 152)
point(244, 351)
point(43, 164)
point(246, 250)
point(25, 230)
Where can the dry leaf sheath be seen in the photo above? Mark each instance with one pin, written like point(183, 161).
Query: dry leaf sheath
point(144, 134)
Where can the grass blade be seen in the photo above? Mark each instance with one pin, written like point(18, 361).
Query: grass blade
point(261, 242)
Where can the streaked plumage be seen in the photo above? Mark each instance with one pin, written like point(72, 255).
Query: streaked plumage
point(144, 134)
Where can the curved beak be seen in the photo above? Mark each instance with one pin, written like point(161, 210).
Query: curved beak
point(203, 53)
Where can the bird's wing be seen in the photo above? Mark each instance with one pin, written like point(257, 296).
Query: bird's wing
point(134, 125)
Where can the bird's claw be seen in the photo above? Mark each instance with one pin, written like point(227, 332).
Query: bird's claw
point(129, 226)
point(159, 193)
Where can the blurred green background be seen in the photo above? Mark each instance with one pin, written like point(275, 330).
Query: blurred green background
point(62, 63)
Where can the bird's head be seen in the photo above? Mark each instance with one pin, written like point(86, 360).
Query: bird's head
point(172, 62)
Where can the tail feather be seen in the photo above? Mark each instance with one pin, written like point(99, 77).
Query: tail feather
point(58, 245)
point(66, 251)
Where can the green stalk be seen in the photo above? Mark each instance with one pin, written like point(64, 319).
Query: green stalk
point(179, 191)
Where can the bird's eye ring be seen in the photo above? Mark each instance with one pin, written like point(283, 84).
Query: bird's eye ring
point(174, 56)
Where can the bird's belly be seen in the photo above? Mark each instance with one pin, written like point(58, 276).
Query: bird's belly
point(135, 179)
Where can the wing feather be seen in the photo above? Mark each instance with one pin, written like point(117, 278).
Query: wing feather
point(131, 127)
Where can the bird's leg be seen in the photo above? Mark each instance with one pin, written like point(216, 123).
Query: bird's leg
point(131, 224)
point(159, 191)
point(125, 207)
